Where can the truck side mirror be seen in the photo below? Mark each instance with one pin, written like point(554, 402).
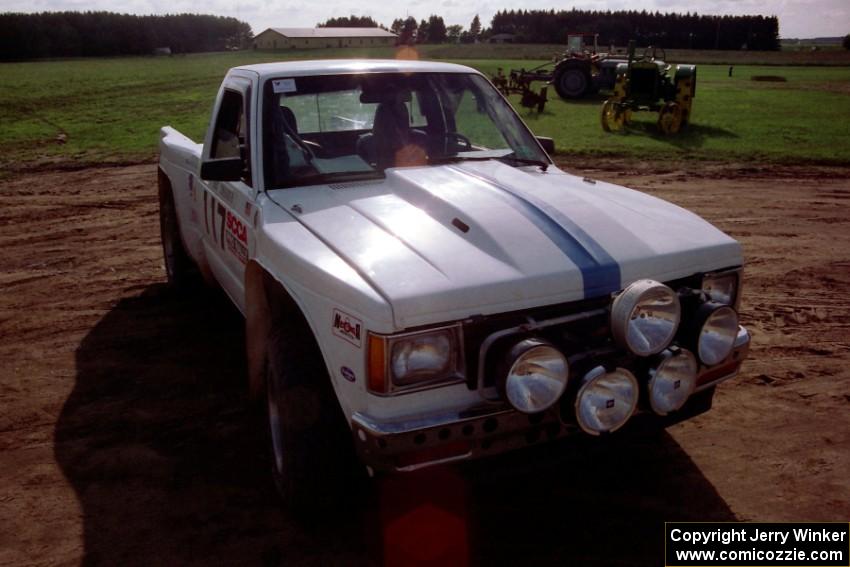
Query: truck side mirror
point(222, 169)
point(547, 143)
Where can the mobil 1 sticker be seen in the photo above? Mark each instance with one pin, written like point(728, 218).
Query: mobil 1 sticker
point(347, 327)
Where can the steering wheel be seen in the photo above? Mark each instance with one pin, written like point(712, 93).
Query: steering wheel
point(460, 140)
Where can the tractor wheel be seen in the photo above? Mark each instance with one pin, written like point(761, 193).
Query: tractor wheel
point(613, 117)
point(670, 118)
point(572, 82)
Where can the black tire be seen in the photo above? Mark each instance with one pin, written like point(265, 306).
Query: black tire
point(313, 461)
point(572, 82)
point(180, 270)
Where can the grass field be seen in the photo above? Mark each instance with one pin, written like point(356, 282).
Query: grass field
point(102, 110)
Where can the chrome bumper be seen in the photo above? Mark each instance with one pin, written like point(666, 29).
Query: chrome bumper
point(409, 444)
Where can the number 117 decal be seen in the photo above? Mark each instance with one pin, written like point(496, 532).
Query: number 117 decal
point(231, 233)
point(209, 218)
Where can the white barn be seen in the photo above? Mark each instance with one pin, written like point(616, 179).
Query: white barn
point(307, 38)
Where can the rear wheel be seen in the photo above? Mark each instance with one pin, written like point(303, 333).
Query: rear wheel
point(179, 267)
point(572, 82)
point(314, 465)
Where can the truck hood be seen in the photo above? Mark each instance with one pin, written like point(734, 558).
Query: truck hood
point(441, 243)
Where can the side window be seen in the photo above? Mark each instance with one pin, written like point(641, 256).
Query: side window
point(417, 117)
point(229, 127)
point(231, 132)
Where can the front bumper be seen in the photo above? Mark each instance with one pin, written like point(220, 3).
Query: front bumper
point(408, 444)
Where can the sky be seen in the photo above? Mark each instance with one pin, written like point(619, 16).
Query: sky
point(797, 18)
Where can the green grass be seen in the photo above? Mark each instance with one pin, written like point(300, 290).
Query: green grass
point(806, 119)
point(100, 110)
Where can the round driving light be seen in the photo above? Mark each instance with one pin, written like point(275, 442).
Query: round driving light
point(606, 400)
point(672, 382)
point(717, 332)
point(536, 377)
point(644, 317)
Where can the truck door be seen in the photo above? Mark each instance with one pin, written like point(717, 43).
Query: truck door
point(228, 206)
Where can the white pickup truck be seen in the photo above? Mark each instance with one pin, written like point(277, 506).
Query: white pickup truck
point(421, 284)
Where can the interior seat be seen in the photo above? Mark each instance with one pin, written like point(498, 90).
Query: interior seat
point(392, 141)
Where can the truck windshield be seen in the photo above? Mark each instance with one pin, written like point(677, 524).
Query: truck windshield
point(323, 128)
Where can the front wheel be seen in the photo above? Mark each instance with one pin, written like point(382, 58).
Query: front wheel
point(613, 116)
point(314, 465)
point(670, 118)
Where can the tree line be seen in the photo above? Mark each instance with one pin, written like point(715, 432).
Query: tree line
point(85, 34)
point(76, 34)
point(409, 31)
point(669, 30)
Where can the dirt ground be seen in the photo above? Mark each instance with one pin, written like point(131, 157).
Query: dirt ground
point(126, 437)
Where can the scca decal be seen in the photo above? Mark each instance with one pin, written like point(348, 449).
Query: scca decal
point(237, 227)
point(347, 327)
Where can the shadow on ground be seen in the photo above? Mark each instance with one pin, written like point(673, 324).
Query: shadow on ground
point(167, 458)
point(691, 137)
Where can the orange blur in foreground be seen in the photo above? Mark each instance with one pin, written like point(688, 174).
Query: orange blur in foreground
point(424, 519)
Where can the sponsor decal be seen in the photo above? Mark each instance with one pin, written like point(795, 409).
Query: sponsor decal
point(239, 250)
point(236, 237)
point(347, 327)
point(225, 229)
point(191, 186)
point(237, 227)
point(348, 373)
point(284, 86)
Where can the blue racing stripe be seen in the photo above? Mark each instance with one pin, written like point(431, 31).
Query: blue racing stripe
point(600, 272)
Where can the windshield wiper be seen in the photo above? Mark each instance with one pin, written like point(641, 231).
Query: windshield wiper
point(456, 158)
point(332, 177)
point(526, 161)
point(523, 161)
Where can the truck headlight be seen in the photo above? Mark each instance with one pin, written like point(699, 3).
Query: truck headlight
point(722, 288)
point(672, 382)
point(414, 359)
point(422, 357)
point(606, 400)
point(645, 316)
point(717, 328)
point(536, 375)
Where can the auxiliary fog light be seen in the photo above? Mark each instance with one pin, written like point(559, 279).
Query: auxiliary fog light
point(537, 375)
point(718, 327)
point(606, 400)
point(645, 317)
point(672, 382)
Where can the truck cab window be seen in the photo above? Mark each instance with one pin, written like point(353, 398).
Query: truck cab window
point(229, 127)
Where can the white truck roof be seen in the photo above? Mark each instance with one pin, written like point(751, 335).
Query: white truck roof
point(345, 66)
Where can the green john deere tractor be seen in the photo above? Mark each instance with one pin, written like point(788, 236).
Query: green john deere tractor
point(645, 83)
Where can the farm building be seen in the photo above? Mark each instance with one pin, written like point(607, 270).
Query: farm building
point(306, 38)
point(502, 38)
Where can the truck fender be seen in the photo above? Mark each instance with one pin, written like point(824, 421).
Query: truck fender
point(268, 302)
point(164, 190)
